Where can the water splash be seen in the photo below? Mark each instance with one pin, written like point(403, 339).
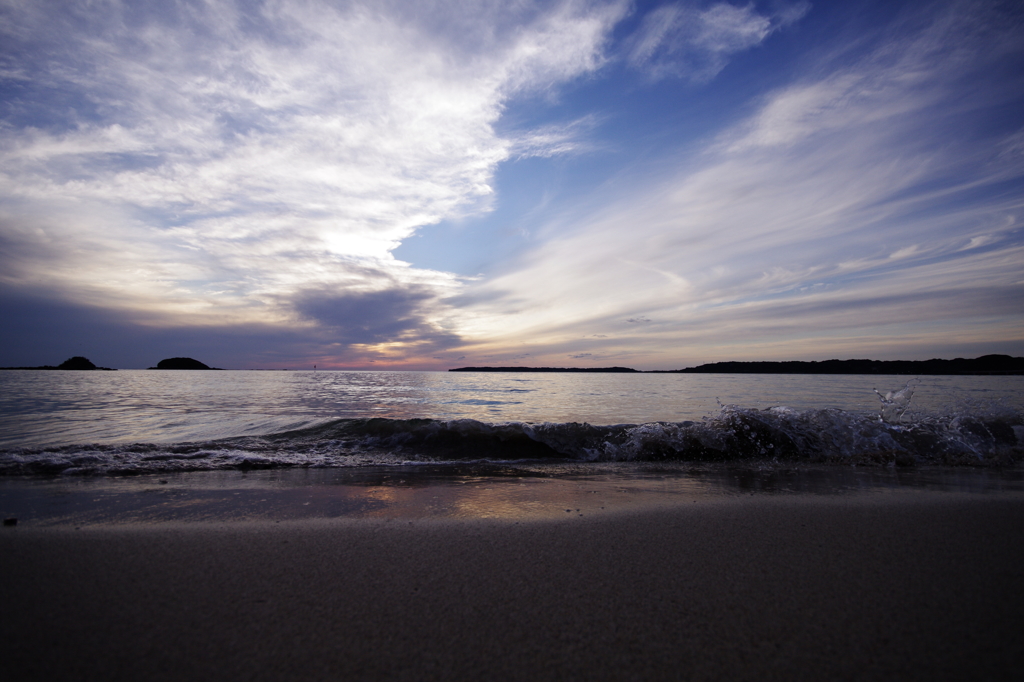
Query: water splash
point(895, 404)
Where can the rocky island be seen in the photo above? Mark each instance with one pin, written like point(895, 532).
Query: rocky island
point(181, 363)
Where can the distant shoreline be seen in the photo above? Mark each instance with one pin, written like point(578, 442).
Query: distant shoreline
point(619, 370)
point(62, 369)
point(986, 365)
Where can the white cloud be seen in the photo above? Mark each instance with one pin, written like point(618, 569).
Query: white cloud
point(555, 139)
point(682, 40)
point(905, 252)
point(213, 159)
point(979, 241)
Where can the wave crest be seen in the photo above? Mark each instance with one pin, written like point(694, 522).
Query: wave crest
point(972, 436)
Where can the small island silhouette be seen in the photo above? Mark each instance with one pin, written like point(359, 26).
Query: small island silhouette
point(78, 363)
point(181, 363)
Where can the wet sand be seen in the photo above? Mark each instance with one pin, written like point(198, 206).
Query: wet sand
point(896, 585)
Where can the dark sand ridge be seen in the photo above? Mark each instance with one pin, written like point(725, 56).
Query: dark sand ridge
point(890, 585)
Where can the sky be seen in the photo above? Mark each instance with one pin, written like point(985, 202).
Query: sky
point(427, 184)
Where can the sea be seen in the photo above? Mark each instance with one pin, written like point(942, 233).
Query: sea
point(97, 446)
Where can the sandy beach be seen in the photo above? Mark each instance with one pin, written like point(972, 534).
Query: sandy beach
point(901, 585)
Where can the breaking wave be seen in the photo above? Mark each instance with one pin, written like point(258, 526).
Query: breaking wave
point(989, 436)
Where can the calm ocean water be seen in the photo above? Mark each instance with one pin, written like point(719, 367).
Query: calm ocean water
point(135, 421)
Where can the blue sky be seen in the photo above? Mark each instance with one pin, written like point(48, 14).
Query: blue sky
point(428, 185)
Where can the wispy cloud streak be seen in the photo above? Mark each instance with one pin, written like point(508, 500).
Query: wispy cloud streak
point(873, 206)
point(695, 43)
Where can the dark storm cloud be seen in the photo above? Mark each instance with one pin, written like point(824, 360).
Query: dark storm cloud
point(370, 317)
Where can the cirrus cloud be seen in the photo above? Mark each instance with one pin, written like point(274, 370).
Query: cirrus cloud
point(694, 43)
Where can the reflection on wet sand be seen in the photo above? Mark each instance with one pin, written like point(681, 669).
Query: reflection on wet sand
point(528, 491)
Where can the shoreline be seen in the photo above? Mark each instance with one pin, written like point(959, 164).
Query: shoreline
point(986, 365)
point(918, 585)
